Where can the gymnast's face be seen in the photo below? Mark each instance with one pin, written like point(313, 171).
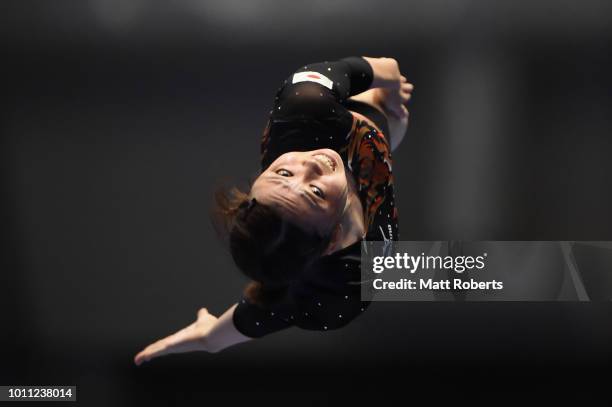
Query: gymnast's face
point(308, 187)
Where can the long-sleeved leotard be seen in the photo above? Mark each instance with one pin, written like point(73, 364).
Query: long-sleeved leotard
point(311, 111)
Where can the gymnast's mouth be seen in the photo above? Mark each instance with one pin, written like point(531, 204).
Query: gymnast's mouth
point(326, 160)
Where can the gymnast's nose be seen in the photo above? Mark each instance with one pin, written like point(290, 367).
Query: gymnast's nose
point(312, 168)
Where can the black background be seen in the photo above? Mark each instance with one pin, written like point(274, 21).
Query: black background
point(119, 118)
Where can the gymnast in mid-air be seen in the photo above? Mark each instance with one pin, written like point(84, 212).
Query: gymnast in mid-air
point(326, 186)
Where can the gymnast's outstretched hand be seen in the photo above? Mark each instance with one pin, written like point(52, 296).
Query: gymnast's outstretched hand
point(189, 339)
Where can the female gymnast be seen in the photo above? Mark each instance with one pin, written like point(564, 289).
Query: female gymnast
point(325, 188)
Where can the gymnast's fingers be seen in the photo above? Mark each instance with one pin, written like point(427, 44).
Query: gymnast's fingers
point(407, 87)
point(405, 97)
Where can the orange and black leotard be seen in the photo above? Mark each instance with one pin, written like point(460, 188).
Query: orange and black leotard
point(311, 110)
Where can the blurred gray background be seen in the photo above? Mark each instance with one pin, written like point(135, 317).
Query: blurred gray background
point(120, 117)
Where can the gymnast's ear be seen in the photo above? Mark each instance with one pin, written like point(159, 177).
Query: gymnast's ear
point(335, 240)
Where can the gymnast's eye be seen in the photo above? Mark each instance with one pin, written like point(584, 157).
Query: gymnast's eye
point(318, 192)
point(284, 173)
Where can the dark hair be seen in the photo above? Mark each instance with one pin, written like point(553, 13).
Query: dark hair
point(267, 248)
